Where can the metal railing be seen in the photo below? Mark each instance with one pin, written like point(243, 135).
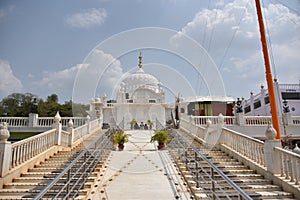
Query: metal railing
point(72, 179)
point(204, 175)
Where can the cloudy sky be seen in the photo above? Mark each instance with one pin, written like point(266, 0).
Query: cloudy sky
point(192, 47)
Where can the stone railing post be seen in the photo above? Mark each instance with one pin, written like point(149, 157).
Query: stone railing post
point(88, 122)
point(208, 128)
point(5, 150)
point(220, 120)
point(192, 124)
point(57, 125)
point(272, 159)
point(33, 119)
point(287, 118)
point(239, 119)
point(71, 132)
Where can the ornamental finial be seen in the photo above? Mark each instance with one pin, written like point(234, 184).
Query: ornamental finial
point(140, 60)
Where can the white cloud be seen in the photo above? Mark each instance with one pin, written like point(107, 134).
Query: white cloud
point(6, 11)
point(82, 78)
point(101, 76)
point(214, 29)
point(60, 81)
point(87, 18)
point(8, 82)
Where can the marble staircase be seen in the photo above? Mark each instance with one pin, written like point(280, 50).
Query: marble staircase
point(254, 184)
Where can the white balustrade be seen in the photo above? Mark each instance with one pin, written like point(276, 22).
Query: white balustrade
point(289, 164)
point(45, 121)
point(48, 121)
point(201, 120)
point(64, 138)
point(95, 124)
point(15, 121)
point(77, 121)
point(80, 132)
point(25, 149)
point(184, 123)
point(247, 146)
point(257, 120)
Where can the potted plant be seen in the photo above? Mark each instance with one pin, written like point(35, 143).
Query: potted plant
point(120, 138)
point(162, 137)
point(132, 123)
point(150, 124)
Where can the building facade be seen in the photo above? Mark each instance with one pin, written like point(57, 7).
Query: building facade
point(140, 97)
point(287, 99)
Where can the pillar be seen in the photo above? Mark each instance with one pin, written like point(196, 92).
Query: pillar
point(88, 122)
point(33, 117)
point(239, 119)
point(272, 160)
point(57, 125)
point(71, 132)
point(5, 150)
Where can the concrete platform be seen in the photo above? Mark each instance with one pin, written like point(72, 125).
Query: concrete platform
point(140, 172)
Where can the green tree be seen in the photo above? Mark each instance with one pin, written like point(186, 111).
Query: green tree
point(52, 98)
point(20, 105)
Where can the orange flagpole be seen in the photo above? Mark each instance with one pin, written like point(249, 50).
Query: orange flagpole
point(275, 119)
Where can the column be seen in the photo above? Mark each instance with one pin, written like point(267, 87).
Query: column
point(5, 150)
point(57, 125)
point(71, 132)
point(272, 160)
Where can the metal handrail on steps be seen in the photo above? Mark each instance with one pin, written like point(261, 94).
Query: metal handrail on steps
point(74, 176)
point(181, 146)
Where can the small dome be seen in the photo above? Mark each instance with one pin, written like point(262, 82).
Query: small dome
point(97, 99)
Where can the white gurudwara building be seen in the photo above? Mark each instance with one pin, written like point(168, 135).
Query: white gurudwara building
point(140, 97)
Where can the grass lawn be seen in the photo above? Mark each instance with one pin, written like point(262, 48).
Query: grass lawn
point(21, 135)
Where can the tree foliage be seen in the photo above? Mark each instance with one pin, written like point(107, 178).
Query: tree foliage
point(20, 105)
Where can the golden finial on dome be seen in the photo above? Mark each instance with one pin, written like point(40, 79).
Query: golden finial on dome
point(140, 60)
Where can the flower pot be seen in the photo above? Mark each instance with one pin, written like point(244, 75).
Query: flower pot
point(161, 146)
point(121, 147)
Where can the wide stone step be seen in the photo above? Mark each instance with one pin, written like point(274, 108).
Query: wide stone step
point(255, 195)
point(15, 192)
point(270, 194)
point(35, 174)
point(241, 181)
point(49, 169)
point(243, 187)
point(9, 197)
point(32, 179)
point(207, 166)
point(22, 185)
point(52, 164)
point(56, 161)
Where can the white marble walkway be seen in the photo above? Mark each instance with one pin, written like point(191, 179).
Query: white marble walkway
point(140, 172)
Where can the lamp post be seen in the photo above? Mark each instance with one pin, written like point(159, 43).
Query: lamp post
point(239, 107)
point(286, 110)
point(34, 105)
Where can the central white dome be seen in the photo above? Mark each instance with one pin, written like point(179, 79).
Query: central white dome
point(139, 79)
point(140, 87)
